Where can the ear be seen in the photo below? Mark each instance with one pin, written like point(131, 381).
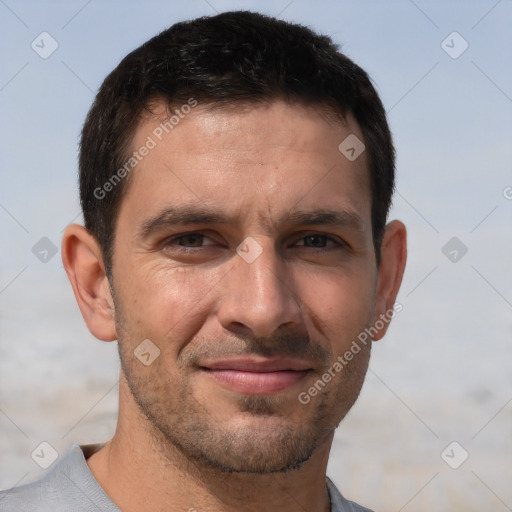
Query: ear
point(391, 271)
point(82, 259)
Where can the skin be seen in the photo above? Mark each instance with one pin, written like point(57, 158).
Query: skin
point(184, 439)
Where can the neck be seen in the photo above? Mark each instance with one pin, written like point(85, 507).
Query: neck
point(140, 470)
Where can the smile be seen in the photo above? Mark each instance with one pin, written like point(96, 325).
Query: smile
point(253, 376)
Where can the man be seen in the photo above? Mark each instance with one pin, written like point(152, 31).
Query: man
point(236, 174)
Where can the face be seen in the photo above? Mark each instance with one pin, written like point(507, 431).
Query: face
point(244, 253)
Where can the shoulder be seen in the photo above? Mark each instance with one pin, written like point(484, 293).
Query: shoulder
point(69, 485)
point(339, 503)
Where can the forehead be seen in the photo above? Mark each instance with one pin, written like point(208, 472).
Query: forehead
point(264, 159)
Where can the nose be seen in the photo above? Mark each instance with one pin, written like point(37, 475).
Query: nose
point(257, 296)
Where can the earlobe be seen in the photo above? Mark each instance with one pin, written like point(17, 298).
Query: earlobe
point(391, 271)
point(82, 259)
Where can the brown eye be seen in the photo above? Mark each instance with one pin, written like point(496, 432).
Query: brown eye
point(190, 240)
point(315, 241)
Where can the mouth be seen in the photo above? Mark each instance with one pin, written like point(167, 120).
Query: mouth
point(257, 375)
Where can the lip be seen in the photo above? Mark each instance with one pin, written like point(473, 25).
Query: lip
point(258, 364)
point(257, 375)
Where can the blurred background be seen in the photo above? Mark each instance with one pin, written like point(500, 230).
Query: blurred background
point(433, 426)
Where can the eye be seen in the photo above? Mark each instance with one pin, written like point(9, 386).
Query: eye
point(193, 247)
point(190, 240)
point(317, 241)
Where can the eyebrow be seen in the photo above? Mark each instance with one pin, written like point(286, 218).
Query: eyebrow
point(191, 214)
point(183, 214)
point(342, 217)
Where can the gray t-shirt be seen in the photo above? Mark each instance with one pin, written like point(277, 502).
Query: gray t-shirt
point(71, 487)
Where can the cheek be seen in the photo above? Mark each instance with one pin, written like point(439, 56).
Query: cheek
point(340, 305)
point(166, 305)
